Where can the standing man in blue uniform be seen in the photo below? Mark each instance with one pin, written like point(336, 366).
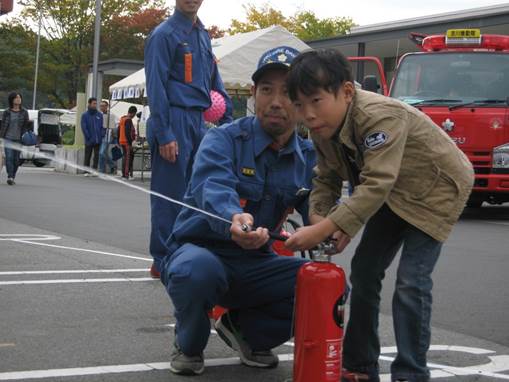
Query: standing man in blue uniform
point(251, 171)
point(181, 71)
point(93, 132)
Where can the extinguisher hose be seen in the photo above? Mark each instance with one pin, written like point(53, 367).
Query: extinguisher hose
point(272, 235)
point(278, 236)
point(338, 311)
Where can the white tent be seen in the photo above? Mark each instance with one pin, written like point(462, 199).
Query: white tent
point(237, 57)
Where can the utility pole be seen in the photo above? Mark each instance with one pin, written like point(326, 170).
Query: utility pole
point(37, 57)
point(97, 39)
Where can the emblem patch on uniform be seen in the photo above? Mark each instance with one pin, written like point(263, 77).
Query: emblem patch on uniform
point(375, 140)
point(248, 171)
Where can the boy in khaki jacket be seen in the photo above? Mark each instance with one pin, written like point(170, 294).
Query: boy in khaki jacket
point(411, 184)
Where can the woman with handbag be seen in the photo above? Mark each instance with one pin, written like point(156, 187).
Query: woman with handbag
point(15, 123)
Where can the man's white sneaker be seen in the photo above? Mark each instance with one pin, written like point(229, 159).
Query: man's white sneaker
point(186, 365)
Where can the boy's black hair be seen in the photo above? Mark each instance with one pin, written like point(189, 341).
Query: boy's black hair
point(324, 69)
point(132, 110)
point(11, 97)
point(91, 99)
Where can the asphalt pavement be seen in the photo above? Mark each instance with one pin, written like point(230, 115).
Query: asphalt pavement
point(77, 302)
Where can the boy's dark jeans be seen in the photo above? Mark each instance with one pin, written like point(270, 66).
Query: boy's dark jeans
point(383, 236)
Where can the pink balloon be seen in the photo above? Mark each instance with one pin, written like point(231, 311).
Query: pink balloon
point(217, 108)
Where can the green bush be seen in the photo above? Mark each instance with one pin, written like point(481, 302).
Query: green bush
point(68, 137)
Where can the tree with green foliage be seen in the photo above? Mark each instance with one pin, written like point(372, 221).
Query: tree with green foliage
point(16, 49)
point(67, 40)
point(307, 26)
point(304, 24)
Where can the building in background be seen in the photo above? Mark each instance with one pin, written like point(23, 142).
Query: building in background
point(389, 40)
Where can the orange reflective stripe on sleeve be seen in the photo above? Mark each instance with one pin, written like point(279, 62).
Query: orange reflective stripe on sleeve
point(188, 68)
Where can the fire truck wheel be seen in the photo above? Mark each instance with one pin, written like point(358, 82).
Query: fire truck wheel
point(474, 203)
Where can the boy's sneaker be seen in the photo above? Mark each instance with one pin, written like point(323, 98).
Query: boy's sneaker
point(154, 273)
point(233, 338)
point(186, 365)
point(355, 376)
point(10, 182)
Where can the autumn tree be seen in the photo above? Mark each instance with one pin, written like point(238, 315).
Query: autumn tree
point(124, 36)
point(215, 32)
point(258, 18)
point(304, 24)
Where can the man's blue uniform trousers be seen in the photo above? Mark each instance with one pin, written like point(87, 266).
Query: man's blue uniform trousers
point(257, 287)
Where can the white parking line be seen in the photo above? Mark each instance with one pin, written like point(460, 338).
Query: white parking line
point(76, 372)
point(26, 236)
point(497, 223)
point(498, 363)
point(442, 371)
point(15, 273)
point(85, 250)
point(75, 281)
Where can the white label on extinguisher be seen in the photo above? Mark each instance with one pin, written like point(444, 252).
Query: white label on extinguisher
point(333, 349)
point(332, 371)
point(332, 357)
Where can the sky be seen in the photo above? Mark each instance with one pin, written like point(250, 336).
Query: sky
point(363, 12)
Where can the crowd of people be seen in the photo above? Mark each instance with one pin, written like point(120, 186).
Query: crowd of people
point(102, 132)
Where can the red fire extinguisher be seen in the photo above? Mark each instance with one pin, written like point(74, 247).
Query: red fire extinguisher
point(319, 320)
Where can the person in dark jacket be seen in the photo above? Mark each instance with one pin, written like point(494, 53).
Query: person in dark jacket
point(15, 123)
point(92, 127)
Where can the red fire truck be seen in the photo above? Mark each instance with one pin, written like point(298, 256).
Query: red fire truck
point(461, 81)
point(5, 6)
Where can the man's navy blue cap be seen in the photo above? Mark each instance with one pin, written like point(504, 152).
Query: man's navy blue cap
point(280, 57)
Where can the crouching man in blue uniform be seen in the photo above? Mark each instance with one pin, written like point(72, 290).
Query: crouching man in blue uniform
point(251, 171)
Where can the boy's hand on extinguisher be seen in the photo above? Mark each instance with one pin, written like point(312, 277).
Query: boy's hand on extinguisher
point(341, 240)
point(310, 236)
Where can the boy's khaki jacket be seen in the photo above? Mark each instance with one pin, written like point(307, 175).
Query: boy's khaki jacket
point(405, 160)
